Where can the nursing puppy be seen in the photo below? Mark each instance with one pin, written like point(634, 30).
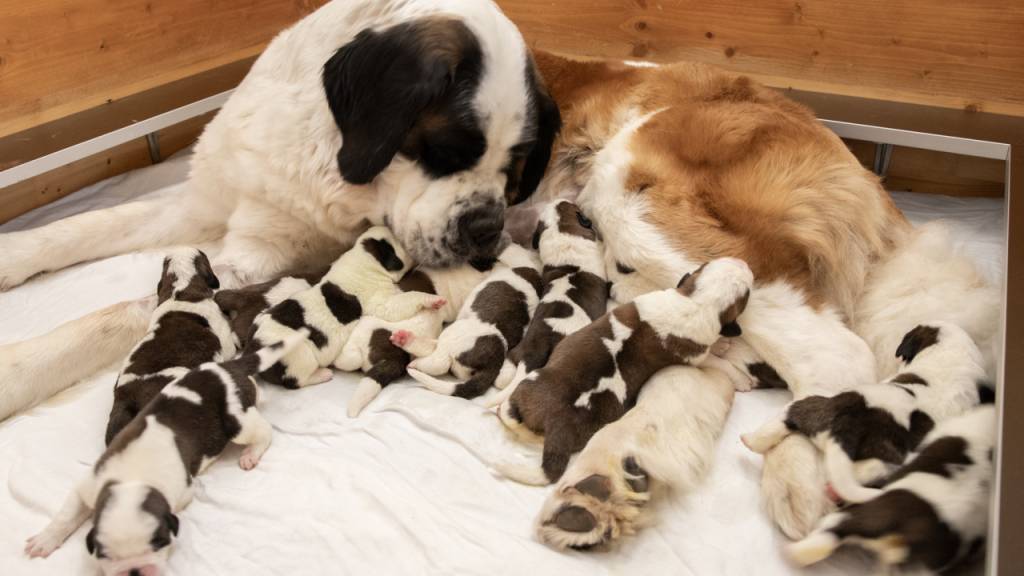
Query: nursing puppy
point(383, 349)
point(595, 375)
point(575, 289)
point(363, 281)
point(491, 322)
point(863, 432)
point(931, 513)
point(187, 329)
point(146, 473)
point(243, 305)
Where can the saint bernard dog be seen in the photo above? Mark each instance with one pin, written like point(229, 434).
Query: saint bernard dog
point(428, 116)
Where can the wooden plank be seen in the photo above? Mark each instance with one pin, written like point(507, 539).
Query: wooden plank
point(941, 173)
point(56, 184)
point(948, 53)
point(58, 58)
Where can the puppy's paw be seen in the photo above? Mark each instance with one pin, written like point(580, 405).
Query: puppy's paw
point(591, 507)
point(249, 459)
point(437, 304)
point(42, 545)
point(401, 338)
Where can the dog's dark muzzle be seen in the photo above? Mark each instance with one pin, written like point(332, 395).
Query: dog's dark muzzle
point(479, 230)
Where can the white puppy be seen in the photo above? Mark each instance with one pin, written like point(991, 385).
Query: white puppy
point(146, 473)
point(363, 281)
point(490, 323)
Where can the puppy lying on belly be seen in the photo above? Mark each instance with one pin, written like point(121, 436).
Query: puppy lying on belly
point(383, 349)
point(187, 329)
point(145, 475)
point(864, 431)
point(490, 323)
point(595, 375)
point(931, 513)
point(575, 289)
point(243, 305)
point(363, 281)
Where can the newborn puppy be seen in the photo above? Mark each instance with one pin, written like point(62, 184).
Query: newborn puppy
point(243, 305)
point(187, 329)
point(490, 323)
point(146, 473)
point(575, 284)
point(931, 513)
point(363, 281)
point(383, 349)
point(595, 374)
point(865, 431)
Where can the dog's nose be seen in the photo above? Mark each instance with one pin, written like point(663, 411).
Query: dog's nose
point(480, 228)
point(134, 572)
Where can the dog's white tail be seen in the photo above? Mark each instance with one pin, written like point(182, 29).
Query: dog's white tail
point(33, 370)
point(366, 391)
point(841, 473)
point(433, 383)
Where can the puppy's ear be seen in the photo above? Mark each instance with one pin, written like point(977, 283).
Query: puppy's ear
point(172, 523)
point(549, 122)
point(205, 271)
point(916, 340)
point(90, 541)
point(682, 281)
point(537, 233)
point(730, 327)
point(165, 287)
point(384, 252)
point(378, 84)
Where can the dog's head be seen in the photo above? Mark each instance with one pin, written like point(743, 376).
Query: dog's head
point(187, 276)
point(384, 250)
point(133, 526)
point(725, 284)
point(448, 118)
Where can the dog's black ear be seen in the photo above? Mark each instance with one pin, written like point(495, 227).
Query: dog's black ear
point(172, 522)
point(537, 233)
point(165, 287)
point(682, 281)
point(90, 540)
point(731, 330)
point(378, 85)
point(205, 271)
point(916, 340)
point(549, 122)
point(385, 253)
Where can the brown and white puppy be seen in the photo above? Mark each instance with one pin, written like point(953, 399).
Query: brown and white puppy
point(491, 322)
point(188, 329)
point(865, 431)
point(932, 513)
point(243, 305)
point(595, 374)
point(575, 284)
point(363, 281)
point(145, 476)
point(383, 350)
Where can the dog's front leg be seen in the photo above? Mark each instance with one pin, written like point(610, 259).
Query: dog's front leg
point(665, 442)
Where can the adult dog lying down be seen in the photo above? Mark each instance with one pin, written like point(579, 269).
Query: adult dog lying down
point(675, 166)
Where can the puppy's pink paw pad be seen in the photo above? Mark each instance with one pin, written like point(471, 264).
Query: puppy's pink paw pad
point(248, 460)
point(438, 304)
point(40, 546)
point(401, 338)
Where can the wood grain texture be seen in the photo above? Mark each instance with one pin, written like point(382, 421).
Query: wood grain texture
point(948, 53)
point(59, 57)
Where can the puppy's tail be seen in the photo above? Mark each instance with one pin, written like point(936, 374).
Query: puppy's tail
point(506, 375)
point(262, 359)
point(436, 363)
point(433, 383)
point(814, 548)
point(529, 474)
point(793, 486)
point(766, 437)
point(840, 470)
point(366, 391)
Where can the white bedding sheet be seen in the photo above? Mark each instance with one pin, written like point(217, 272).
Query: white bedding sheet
point(389, 492)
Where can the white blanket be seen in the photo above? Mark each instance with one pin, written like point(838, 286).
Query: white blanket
point(387, 493)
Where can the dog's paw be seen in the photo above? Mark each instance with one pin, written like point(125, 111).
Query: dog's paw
point(595, 509)
point(42, 545)
point(401, 338)
point(17, 265)
point(249, 459)
point(438, 304)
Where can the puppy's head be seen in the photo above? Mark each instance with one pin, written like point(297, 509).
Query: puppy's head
point(938, 339)
point(381, 246)
point(187, 276)
point(562, 222)
point(448, 119)
point(133, 527)
point(724, 284)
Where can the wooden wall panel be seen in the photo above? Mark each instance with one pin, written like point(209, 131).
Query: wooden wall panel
point(60, 57)
point(965, 54)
